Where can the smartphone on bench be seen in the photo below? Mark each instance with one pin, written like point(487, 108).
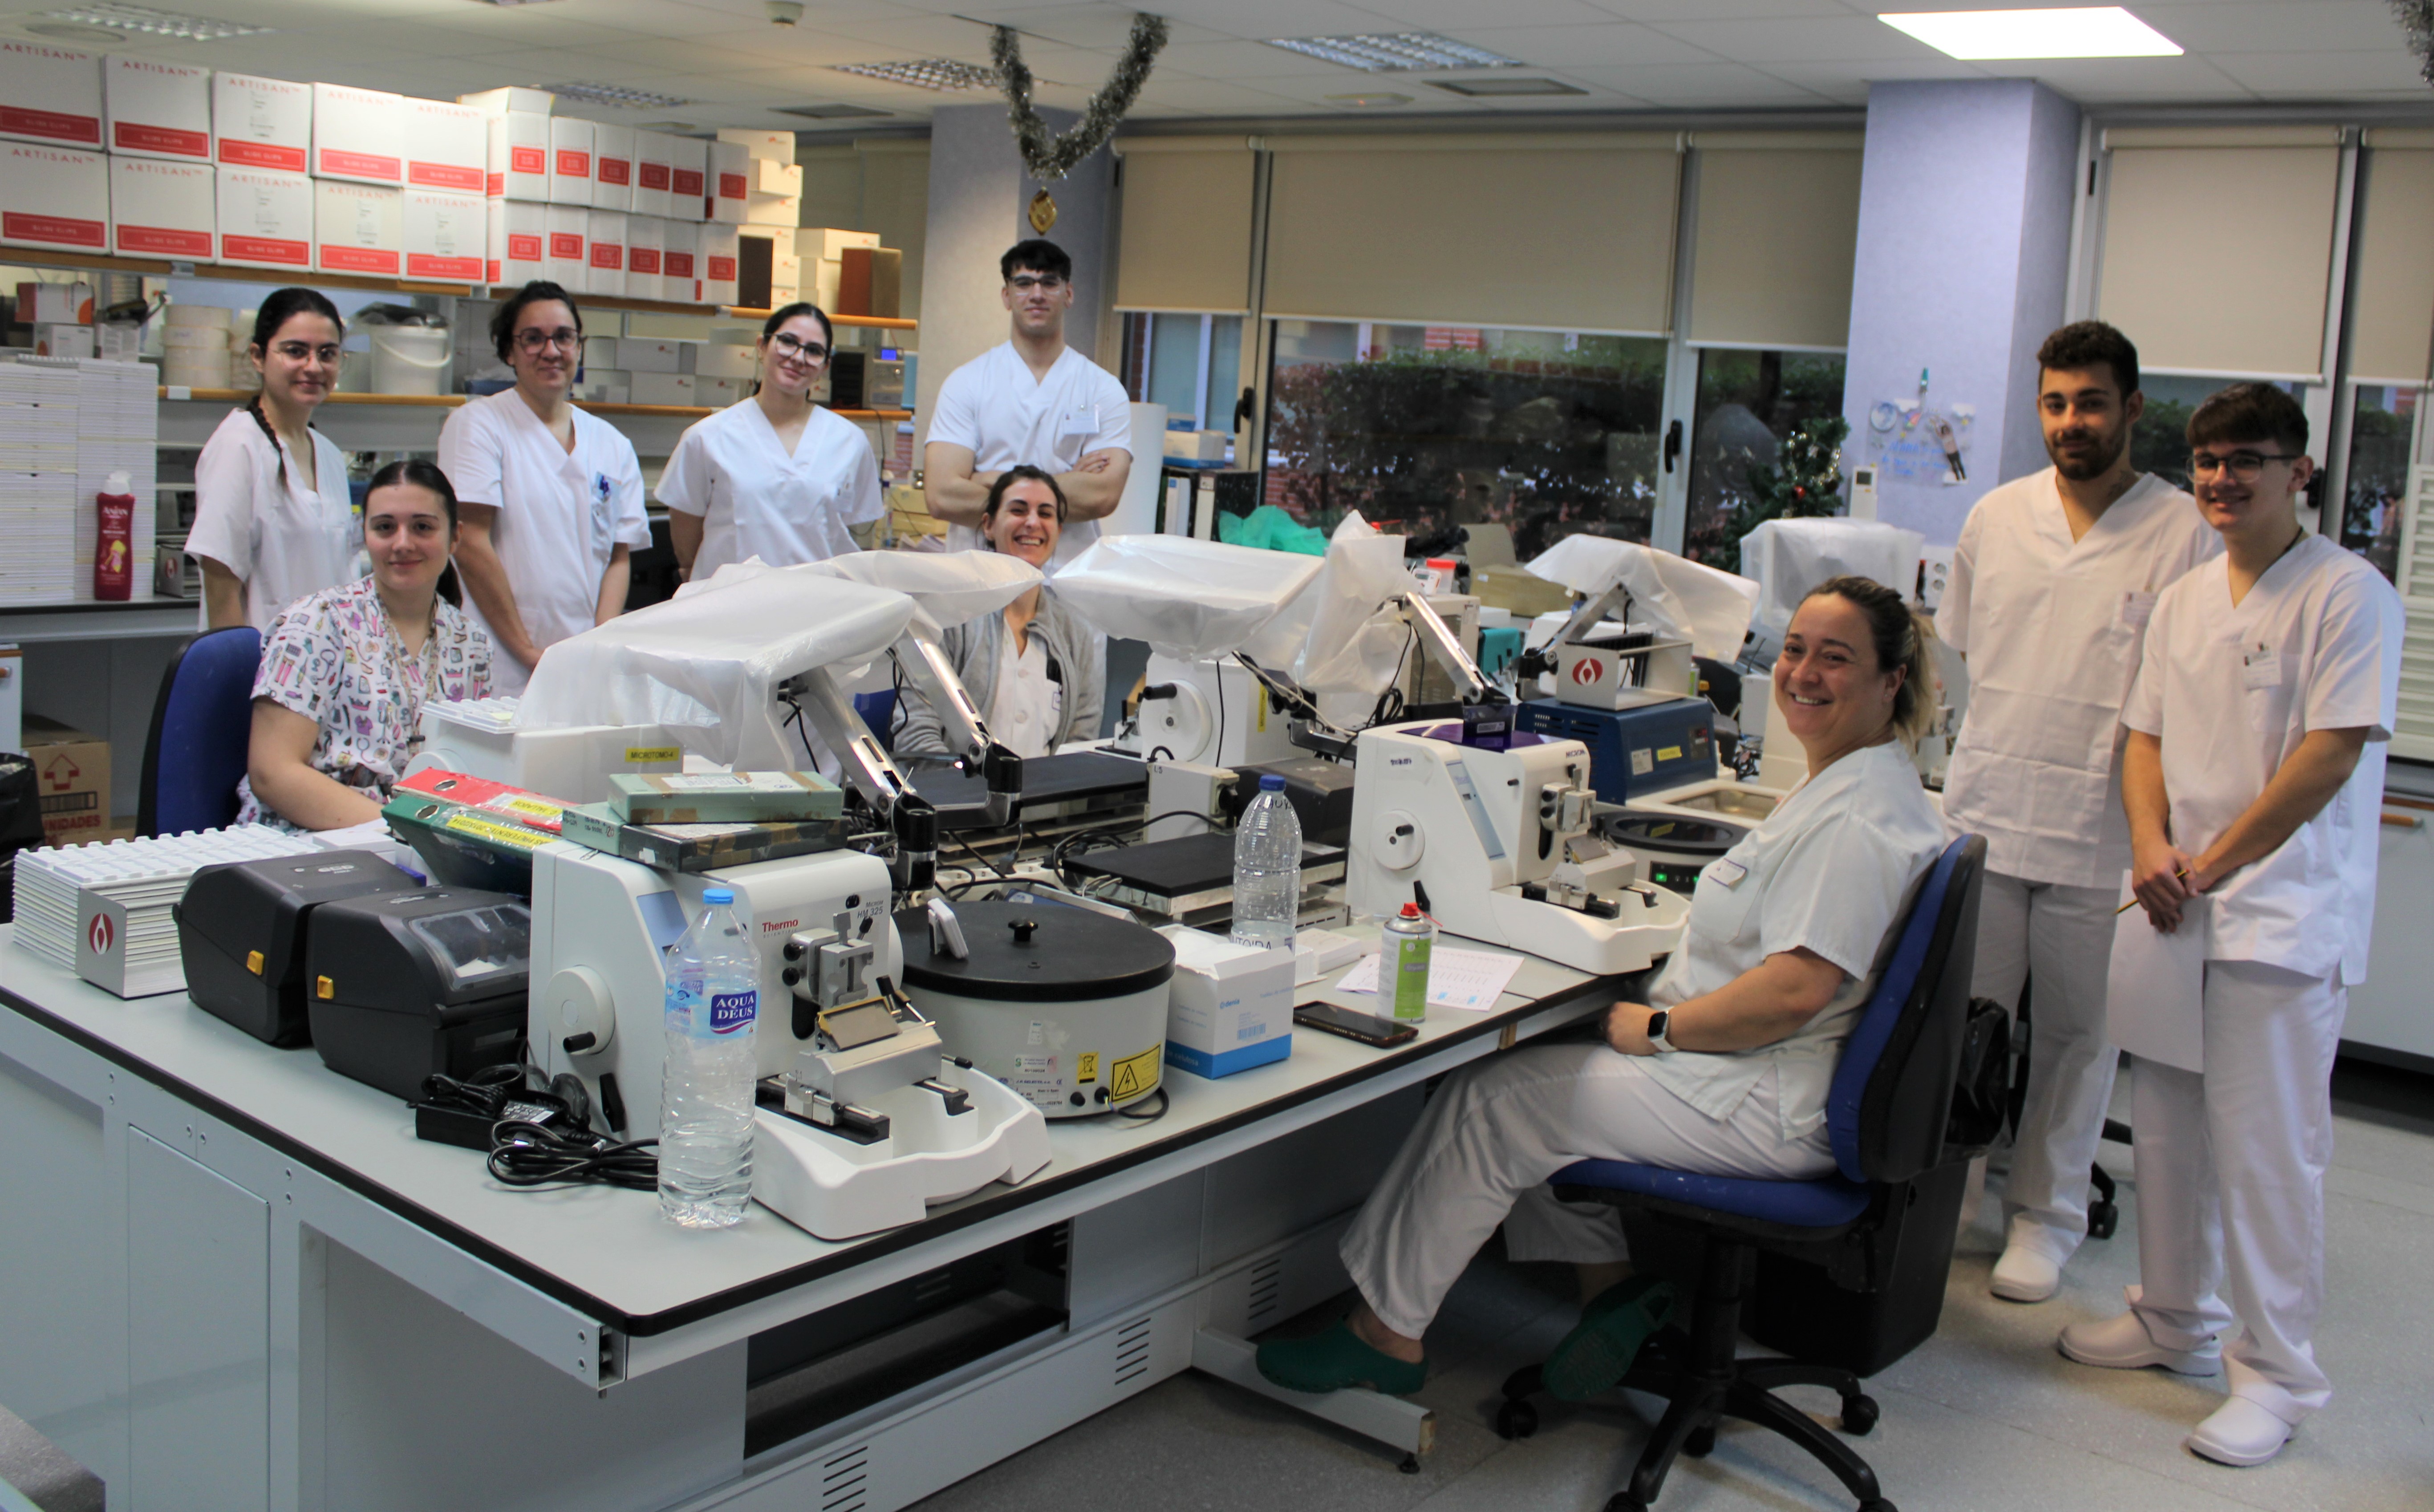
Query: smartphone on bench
point(1366, 1027)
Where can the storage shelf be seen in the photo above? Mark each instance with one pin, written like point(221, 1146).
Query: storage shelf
point(238, 396)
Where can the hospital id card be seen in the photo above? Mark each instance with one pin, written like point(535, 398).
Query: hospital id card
point(1081, 422)
point(2136, 609)
point(2259, 668)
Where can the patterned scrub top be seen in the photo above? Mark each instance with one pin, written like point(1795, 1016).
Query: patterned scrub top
point(334, 657)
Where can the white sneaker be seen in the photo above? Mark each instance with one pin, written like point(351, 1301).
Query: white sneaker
point(2026, 1274)
point(2123, 1344)
point(2240, 1432)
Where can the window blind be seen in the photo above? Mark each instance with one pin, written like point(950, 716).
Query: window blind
point(1778, 226)
point(2391, 281)
point(1185, 230)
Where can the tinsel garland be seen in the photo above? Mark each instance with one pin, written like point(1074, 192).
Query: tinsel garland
point(1053, 157)
point(2417, 18)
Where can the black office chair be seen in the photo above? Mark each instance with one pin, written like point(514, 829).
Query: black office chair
point(1887, 1114)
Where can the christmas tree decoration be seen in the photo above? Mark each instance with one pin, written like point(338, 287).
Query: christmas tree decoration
point(2416, 18)
point(1052, 157)
point(1806, 482)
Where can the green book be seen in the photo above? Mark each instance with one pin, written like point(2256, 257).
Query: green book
point(698, 847)
point(723, 797)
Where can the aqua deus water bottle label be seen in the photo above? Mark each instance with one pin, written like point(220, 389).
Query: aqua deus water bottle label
point(730, 1012)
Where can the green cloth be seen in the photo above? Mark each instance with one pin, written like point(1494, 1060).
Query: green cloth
point(1271, 529)
point(1601, 1347)
point(1335, 1360)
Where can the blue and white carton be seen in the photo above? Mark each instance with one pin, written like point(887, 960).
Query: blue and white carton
point(1229, 1007)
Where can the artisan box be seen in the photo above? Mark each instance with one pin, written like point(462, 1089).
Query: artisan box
point(1230, 1006)
point(680, 262)
point(496, 102)
point(262, 123)
point(358, 228)
point(359, 134)
point(764, 147)
point(569, 161)
point(568, 226)
point(645, 236)
point(160, 209)
point(156, 109)
point(447, 235)
point(49, 94)
point(519, 157)
point(54, 197)
point(687, 159)
point(514, 248)
point(612, 168)
point(717, 262)
point(447, 146)
point(729, 181)
point(265, 219)
point(605, 253)
point(651, 155)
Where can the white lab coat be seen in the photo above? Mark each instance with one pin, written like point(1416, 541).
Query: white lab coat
point(993, 405)
point(2231, 1160)
point(1027, 708)
point(1832, 870)
point(2054, 629)
point(283, 542)
point(757, 500)
point(560, 514)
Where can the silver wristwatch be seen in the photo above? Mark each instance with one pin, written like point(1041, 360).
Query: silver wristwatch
point(1658, 1024)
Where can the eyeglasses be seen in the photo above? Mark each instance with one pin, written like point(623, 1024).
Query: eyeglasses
point(2244, 466)
point(533, 338)
point(786, 346)
point(306, 350)
point(1025, 282)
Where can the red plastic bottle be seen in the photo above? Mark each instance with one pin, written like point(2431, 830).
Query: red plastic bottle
point(113, 546)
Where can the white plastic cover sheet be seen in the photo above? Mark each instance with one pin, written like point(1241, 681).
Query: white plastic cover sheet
point(1355, 642)
point(1189, 599)
point(1791, 556)
point(1671, 595)
point(709, 660)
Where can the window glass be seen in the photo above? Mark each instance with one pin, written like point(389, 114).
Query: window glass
point(2160, 445)
point(1748, 403)
point(1174, 365)
point(1167, 356)
point(2377, 488)
point(1420, 427)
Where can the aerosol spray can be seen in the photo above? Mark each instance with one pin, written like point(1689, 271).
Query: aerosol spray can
point(1407, 939)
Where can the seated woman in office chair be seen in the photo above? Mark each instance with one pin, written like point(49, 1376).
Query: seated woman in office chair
point(1724, 1072)
point(338, 706)
point(1033, 671)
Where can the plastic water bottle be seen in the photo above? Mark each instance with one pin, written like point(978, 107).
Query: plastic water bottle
point(1267, 868)
point(706, 1079)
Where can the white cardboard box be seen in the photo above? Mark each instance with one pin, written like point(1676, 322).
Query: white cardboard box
point(49, 94)
point(601, 353)
point(568, 225)
point(54, 197)
point(64, 340)
point(569, 161)
point(162, 209)
point(826, 275)
point(516, 242)
point(717, 264)
point(447, 146)
point(265, 219)
point(495, 102)
point(612, 168)
point(641, 354)
point(645, 236)
point(726, 359)
point(688, 160)
point(770, 176)
point(262, 123)
point(519, 157)
point(680, 262)
point(716, 393)
point(651, 154)
point(769, 146)
point(54, 304)
point(156, 109)
point(604, 255)
point(1230, 1006)
point(358, 228)
point(730, 182)
point(781, 211)
point(447, 235)
point(663, 389)
point(823, 244)
point(359, 134)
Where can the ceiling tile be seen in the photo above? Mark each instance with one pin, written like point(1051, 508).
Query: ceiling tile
point(677, 56)
point(1849, 82)
point(1216, 96)
point(918, 36)
point(1612, 44)
point(2127, 81)
point(1730, 10)
point(1247, 59)
point(2325, 73)
point(1261, 19)
point(1714, 86)
point(1799, 39)
point(2271, 25)
point(1447, 15)
point(1103, 26)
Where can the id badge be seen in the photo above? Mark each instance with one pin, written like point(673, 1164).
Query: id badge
point(2136, 609)
point(1727, 872)
point(1081, 422)
point(2259, 669)
point(603, 529)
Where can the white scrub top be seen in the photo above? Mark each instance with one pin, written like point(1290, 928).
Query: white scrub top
point(2231, 691)
point(757, 500)
point(1027, 708)
point(1831, 868)
point(2052, 630)
point(560, 514)
point(283, 542)
point(995, 408)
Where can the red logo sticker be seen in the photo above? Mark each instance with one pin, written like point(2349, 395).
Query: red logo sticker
point(1586, 670)
point(101, 934)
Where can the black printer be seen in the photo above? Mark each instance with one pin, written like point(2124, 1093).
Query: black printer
point(241, 928)
point(408, 984)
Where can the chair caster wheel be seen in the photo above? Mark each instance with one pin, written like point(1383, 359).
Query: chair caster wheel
point(2103, 1219)
point(1515, 1419)
point(1625, 1502)
point(1411, 1464)
point(1859, 1415)
point(1701, 1443)
point(1880, 1505)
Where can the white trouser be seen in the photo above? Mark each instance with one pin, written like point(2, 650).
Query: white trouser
point(1497, 1130)
point(2230, 1169)
point(2060, 938)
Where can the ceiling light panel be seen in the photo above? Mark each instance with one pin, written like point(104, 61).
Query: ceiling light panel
point(831, 112)
point(942, 74)
point(1504, 88)
point(2094, 31)
point(1395, 52)
point(140, 21)
point(614, 95)
point(1372, 101)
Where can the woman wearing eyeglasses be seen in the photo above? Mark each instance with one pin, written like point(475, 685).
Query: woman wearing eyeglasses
point(775, 476)
point(551, 498)
point(273, 521)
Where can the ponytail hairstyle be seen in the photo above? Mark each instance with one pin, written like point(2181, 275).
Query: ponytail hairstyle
point(780, 316)
point(282, 306)
point(417, 472)
point(1899, 637)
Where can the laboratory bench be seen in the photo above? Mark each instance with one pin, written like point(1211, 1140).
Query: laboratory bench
point(234, 1278)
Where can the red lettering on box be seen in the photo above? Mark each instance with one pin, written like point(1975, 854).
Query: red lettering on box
point(684, 181)
point(655, 175)
point(272, 250)
point(360, 165)
point(17, 226)
point(54, 126)
point(730, 186)
point(574, 164)
point(165, 241)
point(722, 269)
point(608, 254)
point(128, 136)
point(645, 260)
point(522, 247)
point(357, 259)
point(455, 269)
point(677, 264)
point(527, 159)
point(566, 245)
point(616, 170)
point(261, 155)
point(444, 176)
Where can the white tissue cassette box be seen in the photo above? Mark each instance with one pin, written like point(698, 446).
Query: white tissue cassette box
point(662, 388)
point(265, 219)
point(725, 359)
point(650, 354)
point(717, 393)
point(1230, 1006)
point(651, 153)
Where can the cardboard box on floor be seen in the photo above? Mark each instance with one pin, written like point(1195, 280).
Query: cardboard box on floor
point(72, 770)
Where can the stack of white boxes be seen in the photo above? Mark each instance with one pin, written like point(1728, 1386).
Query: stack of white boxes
point(822, 251)
point(772, 204)
point(594, 207)
point(118, 430)
point(37, 484)
point(132, 885)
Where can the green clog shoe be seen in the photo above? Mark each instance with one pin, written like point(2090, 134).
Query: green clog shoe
point(1335, 1360)
point(1601, 1347)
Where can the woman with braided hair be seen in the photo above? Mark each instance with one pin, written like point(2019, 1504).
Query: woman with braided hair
point(273, 520)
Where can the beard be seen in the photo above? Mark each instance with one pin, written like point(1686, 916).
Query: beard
point(2105, 450)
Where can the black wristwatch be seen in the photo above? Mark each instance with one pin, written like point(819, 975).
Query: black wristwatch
point(1658, 1024)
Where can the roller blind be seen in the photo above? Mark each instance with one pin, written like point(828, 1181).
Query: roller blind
point(2391, 282)
point(1778, 218)
point(1186, 228)
point(1570, 232)
point(2197, 300)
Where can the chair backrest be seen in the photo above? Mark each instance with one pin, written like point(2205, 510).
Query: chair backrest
point(202, 724)
point(1892, 1093)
